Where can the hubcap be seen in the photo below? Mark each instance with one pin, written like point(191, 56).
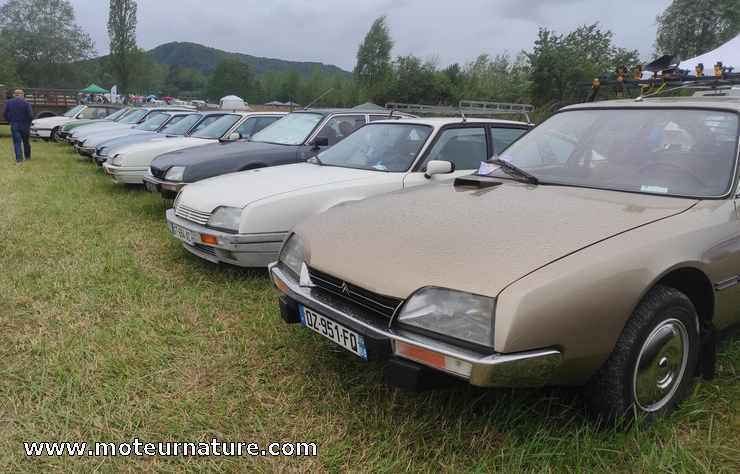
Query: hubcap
point(661, 365)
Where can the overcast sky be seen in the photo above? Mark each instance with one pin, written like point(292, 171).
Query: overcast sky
point(329, 31)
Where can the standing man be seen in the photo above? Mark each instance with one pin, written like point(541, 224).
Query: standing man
point(19, 115)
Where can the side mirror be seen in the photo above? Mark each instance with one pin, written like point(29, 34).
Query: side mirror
point(438, 167)
point(318, 142)
point(233, 137)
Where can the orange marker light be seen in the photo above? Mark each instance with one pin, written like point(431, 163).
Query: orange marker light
point(280, 284)
point(209, 239)
point(418, 354)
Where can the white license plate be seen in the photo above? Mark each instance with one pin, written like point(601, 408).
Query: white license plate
point(341, 335)
point(182, 233)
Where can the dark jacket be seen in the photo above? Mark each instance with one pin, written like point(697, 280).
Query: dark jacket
point(18, 114)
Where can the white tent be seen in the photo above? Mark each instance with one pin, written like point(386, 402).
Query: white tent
point(728, 53)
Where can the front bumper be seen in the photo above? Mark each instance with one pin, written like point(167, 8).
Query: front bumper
point(124, 174)
point(168, 189)
point(523, 369)
point(243, 250)
point(85, 150)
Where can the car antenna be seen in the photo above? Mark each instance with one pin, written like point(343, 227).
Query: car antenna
point(318, 98)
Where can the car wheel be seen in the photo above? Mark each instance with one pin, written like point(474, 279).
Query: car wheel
point(55, 135)
point(653, 364)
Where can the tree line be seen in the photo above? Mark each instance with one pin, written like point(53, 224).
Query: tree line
point(41, 45)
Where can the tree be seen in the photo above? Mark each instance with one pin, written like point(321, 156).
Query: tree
point(561, 64)
point(122, 34)
point(373, 68)
point(688, 28)
point(44, 39)
point(231, 76)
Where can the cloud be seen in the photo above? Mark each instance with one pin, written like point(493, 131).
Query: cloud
point(330, 31)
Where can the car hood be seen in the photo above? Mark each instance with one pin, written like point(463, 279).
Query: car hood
point(241, 189)
point(106, 135)
point(220, 158)
point(475, 240)
point(95, 127)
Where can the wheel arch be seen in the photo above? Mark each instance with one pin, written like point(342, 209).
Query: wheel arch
point(695, 284)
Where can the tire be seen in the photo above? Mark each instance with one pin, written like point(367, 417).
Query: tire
point(653, 365)
point(55, 135)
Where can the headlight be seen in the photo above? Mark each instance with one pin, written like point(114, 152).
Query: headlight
point(226, 218)
point(292, 254)
point(175, 173)
point(451, 313)
point(117, 159)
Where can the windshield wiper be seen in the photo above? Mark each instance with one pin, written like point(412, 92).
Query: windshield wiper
point(515, 171)
point(315, 160)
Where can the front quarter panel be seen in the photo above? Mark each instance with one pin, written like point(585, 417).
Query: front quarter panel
point(581, 302)
point(282, 212)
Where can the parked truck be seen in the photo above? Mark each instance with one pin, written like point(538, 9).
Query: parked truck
point(45, 102)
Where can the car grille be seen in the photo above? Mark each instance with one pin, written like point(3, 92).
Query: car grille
point(381, 304)
point(205, 249)
point(192, 215)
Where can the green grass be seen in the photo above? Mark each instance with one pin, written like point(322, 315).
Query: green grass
point(109, 330)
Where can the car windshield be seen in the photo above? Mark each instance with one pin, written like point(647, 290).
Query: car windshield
point(118, 114)
point(218, 128)
point(379, 147)
point(679, 152)
point(134, 116)
point(73, 111)
point(182, 126)
point(153, 122)
point(293, 129)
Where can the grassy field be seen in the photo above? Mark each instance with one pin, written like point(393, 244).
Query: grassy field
point(109, 330)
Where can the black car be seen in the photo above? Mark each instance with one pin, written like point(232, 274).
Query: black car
point(292, 139)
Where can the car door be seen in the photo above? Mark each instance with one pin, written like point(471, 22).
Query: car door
point(465, 146)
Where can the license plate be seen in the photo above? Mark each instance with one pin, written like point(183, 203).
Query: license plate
point(182, 233)
point(341, 335)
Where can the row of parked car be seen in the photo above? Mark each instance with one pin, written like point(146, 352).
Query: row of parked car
point(600, 249)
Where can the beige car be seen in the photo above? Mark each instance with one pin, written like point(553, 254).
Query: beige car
point(601, 249)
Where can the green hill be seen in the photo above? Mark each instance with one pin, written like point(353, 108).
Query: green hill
point(204, 59)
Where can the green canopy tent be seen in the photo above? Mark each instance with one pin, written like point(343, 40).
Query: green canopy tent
point(94, 89)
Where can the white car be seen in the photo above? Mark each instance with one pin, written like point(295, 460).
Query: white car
point(130, 164)
point(242, 218)
point(49, 127)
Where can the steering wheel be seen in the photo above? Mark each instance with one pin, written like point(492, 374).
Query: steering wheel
point(675, 167)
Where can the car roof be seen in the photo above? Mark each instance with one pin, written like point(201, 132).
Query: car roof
point(442, 121)
point(728, 103)
point(347, 111)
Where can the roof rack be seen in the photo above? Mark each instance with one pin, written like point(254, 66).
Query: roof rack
point(464, 108)
point(667, 77)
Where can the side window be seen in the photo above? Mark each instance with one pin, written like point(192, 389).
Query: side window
point(465, 147)
point(254, 124)
point(374, 118)
point(503, 137)
point(340, 127)
point(206, 122)
point(88, 113)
